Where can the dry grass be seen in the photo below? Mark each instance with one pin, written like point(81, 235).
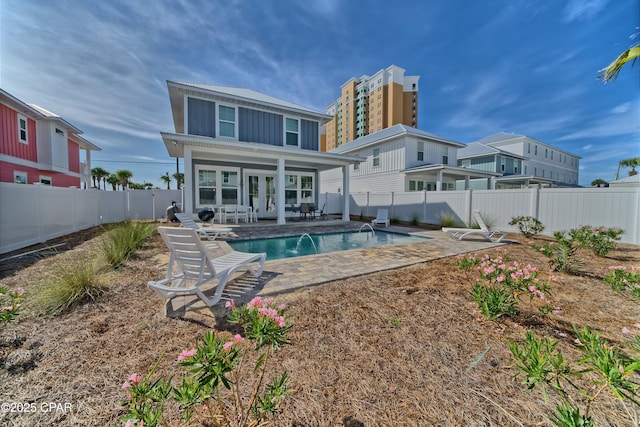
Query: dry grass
point(401, 348)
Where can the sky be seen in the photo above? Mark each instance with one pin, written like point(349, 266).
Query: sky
point(524, 66)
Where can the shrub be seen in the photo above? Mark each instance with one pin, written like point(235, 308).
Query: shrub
point(448, 219)
point(75, 280)
point(619, 278)
point(10, 303)
point(415, 219)
point(544, 365)
point(217, 360)
point(601, 240)
point(529, 226)
point(494, 302)
point(123, 240)
point(562, 253)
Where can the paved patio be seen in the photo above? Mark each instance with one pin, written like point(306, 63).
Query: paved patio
point(290, 274)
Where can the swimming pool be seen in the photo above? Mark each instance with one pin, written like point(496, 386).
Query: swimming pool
point(288, 247)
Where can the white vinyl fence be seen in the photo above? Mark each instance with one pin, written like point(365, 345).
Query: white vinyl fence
point(31, 214)
point(557, 208)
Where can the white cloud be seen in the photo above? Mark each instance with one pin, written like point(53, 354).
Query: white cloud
point(583, 9)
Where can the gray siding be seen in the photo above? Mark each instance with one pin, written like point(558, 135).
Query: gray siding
point(260, 126)
point(201, 117)
point(309, 135)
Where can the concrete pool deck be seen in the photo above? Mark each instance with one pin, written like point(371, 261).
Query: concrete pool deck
point(290, 274)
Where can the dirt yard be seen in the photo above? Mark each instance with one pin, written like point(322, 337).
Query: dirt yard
point(401, 348)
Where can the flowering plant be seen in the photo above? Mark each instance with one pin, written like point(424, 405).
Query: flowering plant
point(621, 278)
point(10, 303)
point(600, 240)
point(529, 226)
point(544, 365)
point(217, 360)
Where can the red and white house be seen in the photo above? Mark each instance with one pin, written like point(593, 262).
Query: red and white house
point(37, 146)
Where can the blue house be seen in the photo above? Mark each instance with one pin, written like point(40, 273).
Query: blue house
point(244, 147)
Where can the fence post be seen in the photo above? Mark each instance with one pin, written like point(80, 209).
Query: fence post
point(469, 206)
point(392, 202)
point(424, 206)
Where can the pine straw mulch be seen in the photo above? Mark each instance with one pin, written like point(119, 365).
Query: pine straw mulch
point(400, 348)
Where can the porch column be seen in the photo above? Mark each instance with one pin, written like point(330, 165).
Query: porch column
point(189, 183)
point(439, 181)
point(345, 193)
point(280, 193)
point(467, 181)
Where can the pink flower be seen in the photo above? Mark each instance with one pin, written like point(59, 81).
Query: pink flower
point(500, 278)
point(637, 325)
point(20, 291)
point(626, 330)
point(186, 354)
point(129, 424)
point(135, 378)
point(227, 346)
point(230, 304)
point(282, 306)
point(577, 341)
point(255, 303)
point(280, 321)
point(238, 338)
point(126, 385)
point(621, 369)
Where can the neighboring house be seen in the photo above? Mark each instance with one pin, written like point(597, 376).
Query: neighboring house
point(37, 146)
point(489, 159)
point(244, 147)
point(629, 181)
point(371, 103)
point(543, 163)
point(402, 158)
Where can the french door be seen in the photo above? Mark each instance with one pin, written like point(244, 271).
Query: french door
point(262, 194)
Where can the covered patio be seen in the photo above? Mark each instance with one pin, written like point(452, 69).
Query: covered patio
point(266, 177)
point(444, 177)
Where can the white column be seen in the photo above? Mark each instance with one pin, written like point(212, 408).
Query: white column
point(439, 181)
point(467, 182)
point(189, 182)
point(345, 193)
point(280, 193)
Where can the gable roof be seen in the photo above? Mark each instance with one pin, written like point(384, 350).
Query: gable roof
point(500, 137)
point(476, 149)
point(390, 133)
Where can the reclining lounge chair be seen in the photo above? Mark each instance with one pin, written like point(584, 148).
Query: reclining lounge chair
point(484, 231)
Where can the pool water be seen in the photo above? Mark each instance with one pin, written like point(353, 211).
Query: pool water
point(288, 247)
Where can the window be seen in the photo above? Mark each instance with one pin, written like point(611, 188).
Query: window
point(19, 177)
point(376, 157)
point(229, 187)
point(535, 171)
point(291, 136)
point(546, 153)
point(528, 148)
point(420, 185)
point(421, 151)
point(23, 135)
point(503, 164)
point(535, 150)
point(45, 180)
point(525, 169)
point(445, 155)
point(412, 186)
point(298, 188)
point(356, 166)
point(551, 154)
point(206, 187)
point(227, 121)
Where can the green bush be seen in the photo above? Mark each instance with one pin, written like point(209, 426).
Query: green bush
point(494, 302)
point(448, 219)
point(123, 240)
point(75, 280)
point(528, 225)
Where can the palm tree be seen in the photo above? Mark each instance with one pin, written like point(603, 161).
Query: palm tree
point(147, 185)
point(124, 176)
point(179, 177)
point(167, 179)
point(632, 163)
point(113, 180)
point(98, 174)
point(611, 71)
point(599, 182)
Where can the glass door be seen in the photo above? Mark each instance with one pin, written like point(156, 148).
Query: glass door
point(262, 194)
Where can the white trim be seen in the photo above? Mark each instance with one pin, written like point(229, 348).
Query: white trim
point(26, 129)
point(284, 142)
point(17, 174)
point(29, 164)
point(219, 120)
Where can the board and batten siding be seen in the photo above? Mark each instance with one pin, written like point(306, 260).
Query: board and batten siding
point(260, 126)
point(201, 117)
point(10, 144)
point(309, 135)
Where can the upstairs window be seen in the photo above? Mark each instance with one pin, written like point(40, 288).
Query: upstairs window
point(445, 155)
point(227, 121)
point(292, 132)
point(421, 151)
point(23, 135)
point(376, 157)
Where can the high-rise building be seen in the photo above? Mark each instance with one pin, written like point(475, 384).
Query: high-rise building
point(371, 103)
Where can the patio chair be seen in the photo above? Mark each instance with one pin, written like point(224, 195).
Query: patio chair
point(242, 213)
point(484, 231)
point(305, 210)
point(211, 233)
point(191, 266)
point(382, 217)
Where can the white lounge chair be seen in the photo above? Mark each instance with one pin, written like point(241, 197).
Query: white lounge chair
point(484, 231)
point(382, 217)
point(211, 233)
point(191, 266)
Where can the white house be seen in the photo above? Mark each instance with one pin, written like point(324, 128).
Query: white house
point(543, 163)
point(401, 158)
point(244, 147)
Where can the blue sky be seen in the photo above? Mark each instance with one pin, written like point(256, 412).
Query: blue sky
point(527, 67)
